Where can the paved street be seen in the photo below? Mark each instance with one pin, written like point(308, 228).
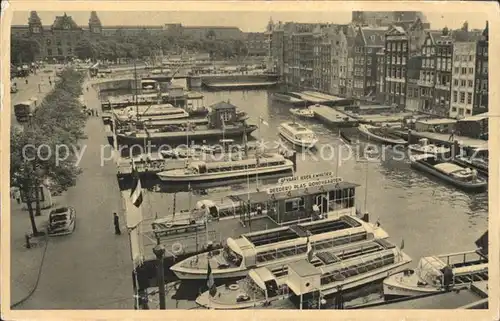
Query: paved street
point(30, 90)
point(90, 269)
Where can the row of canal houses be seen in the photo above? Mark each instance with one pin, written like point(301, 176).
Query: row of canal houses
point(404, 63)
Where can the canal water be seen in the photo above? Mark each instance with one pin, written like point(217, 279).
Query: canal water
point(426, 215)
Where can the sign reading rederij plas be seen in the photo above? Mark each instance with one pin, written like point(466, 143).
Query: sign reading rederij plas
point(302, 185)
point(306, 177)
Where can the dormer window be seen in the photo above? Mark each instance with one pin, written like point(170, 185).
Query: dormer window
point(36, 29)
point(66, 26)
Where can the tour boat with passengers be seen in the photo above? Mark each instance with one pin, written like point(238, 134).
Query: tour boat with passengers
point(423, 147)
point(275, 247)
point(348, 266)
point(381, 135)
point(298, 134)
point(258, 164)
point(462, 177)
point(438, 273)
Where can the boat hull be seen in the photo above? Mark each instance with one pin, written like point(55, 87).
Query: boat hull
point(288, 101)
point(380, 139)
point(180, 136)
point(394, 290)
point(422, 166)
point(297, 113)
point(226, 175)
point(195, 275)
point(481, 169)
point(296, 143)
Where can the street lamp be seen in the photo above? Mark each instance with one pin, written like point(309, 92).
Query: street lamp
point(159, 252)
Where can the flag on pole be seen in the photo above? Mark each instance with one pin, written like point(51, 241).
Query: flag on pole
point(212, 290)
point(136, 194)
point(310, 251)
point(262, 121)
point(223, 122)
point(402, 244)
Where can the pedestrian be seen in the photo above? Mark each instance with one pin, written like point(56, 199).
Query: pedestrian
point(452, 135)
point(49, 78)
point(92, 111)
point(50, 82)
point(87, 88)
point(96, 113)
point(26, 81)
point(116, 221)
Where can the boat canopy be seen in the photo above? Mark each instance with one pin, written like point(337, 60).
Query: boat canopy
point(423, 141)
point(260, 276)
point(448, 167)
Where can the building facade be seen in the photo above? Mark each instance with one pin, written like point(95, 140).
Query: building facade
point(257, 44)
point(413, 89)
point(480, 103)
point(396, 57)
point(385, 18)
point(463, 76)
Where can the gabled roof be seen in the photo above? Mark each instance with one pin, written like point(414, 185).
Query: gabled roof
point(61, 21)
point(373, 37)
point(395, 30)
point(465, 36)
point(438, 38)
point(223, 105)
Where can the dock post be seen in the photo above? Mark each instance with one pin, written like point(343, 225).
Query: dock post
point(159, 252)
point(456, 148)
point(409, 136)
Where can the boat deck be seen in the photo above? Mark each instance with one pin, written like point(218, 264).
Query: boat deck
point(331, 116)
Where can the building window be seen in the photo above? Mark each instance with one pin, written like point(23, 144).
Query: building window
point(448, 65)
point(461, 111)
point(49, 42)
point(485, 84)
point(405, 48)
point(470, 83)
point(469, 98)
point(464, 71)
point(454, 109)
point(467, 111)
point(455, 82)
point(456, 70)
point(462, 82)
point(49, 52)
point(470, 58)
point(59, 51)
point(485, 69)
point(462, 97)
point(485, 51)
point(415, 92)
point(455, 96)
point(369, 60)
point(471, 71)
point(369, 50)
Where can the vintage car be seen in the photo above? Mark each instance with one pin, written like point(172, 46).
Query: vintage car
point(62, 221)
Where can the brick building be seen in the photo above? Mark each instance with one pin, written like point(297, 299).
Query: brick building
point(480, 103)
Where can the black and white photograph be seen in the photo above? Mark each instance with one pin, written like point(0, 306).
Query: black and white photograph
point(249, 158)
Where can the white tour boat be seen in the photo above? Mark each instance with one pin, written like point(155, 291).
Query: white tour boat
point(276, 247)
point(423, 147)
point(302, 112)
point(259, 164)
point(437, 273)
point(350, 266)
point(297, 134)
point(152, 112)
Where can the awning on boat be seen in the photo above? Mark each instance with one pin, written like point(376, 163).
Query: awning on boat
point(260, 276)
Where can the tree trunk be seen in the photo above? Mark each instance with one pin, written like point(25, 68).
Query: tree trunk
point(30, 211)
point(38, 211)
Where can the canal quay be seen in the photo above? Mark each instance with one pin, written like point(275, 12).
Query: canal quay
point(419, 212)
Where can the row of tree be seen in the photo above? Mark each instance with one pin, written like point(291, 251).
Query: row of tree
point(134, 47)
point(57, 122)
point(23, 50)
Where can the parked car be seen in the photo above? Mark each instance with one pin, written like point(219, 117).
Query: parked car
point(62, 221)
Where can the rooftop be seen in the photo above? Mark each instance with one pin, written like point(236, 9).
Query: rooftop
point(223, 105)
point(303, 268)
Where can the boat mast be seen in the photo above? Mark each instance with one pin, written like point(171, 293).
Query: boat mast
point(136, 103)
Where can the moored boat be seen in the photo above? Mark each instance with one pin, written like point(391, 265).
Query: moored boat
point(276, 247)
point(302, 112)
point(298, 134)
point(478, 160)
point(151, 113)
point(285, 98)
point(381, 135)
point(349, 266)
point(198, 171)
point(462, 177)
point(423, 147)
point(437, 274)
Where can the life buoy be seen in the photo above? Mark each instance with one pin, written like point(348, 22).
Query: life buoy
point(155, 164)
point(234, 287)
point(177, 248)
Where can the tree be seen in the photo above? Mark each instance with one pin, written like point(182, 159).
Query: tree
point(24, 50)
point(445, 31)
point(85, 50)
point(465, 26)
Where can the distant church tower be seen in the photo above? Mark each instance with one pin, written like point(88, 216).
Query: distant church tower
point(95, 25)
point(35, 24)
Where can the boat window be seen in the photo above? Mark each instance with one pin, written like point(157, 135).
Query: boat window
point(294, 204)
point(252, 290)
point(231, 256)
point(341, 199)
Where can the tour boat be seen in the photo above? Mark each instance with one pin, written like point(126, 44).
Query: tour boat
point(285, 98)
point(275, 247)
point(153, 112)
point(349, 266)
point(381, 135)
point(478, 160)
point(179, 134)
point(198, 171)
point(298, 134)
point(423, 147)
point(438, 273)
point(454, 174)
point(302, 112)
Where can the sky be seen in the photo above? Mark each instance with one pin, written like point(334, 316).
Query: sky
point(246, 21)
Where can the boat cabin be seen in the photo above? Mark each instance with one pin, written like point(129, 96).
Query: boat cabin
point(200, 167)
point(261, 283)
point(452, 269)
point(303, 201)
point(222, 113)
point(297, 131)
point(304, 282)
